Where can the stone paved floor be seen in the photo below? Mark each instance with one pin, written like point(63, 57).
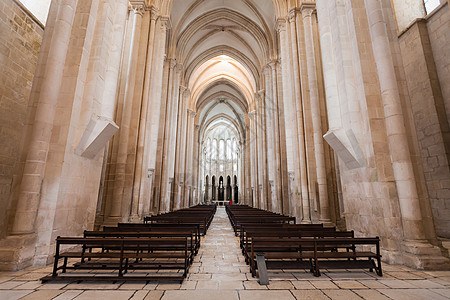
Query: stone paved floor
point(219, 272)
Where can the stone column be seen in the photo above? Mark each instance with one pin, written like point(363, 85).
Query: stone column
point(30, 188)
point(195, 158)
point(109, 102)
point(189, 148)
point(307, 10)
point(395, 128)
point(165, 169)
point(269, 135)
point(329, 67)
point(261, 150)
point(276, 206)
point(137, 12)
point(181, 137)
point(302, 172)
point(154, 111)
point(140, 167)
point(253, 157)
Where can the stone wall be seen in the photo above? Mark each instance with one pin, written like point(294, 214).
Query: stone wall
point(20, 41)
point(425, 48)
point(437, 24)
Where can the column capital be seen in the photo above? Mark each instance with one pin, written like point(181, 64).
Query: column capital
point(191, 112)
point(260, 95)
point(185, 91)
point(273, 63)
point(138, 6)
point(172, 62)
point(154, 13)
point(307, 9)
point(291, 15)
point(165, 22)
point(280, 24)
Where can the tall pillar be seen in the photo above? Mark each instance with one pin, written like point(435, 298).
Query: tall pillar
point(277, 205)
point(181, 147)
point(169, 123)
point(270, 139)
point(293, 119)
point(112, 71)
point(253, 158)
point(395, 125)
point(137, 12)
point(299, 101)
point(139, 190)
point(261, 150)
point(195, 157)
point(30, 188)
point(154, 109)
point(307, 10)
point(189, 149)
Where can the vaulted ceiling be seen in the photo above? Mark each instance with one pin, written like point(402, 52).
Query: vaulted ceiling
point(222, 46)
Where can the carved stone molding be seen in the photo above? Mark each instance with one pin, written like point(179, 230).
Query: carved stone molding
point(165, 23)
point(280, 25)
point(138, 7)
point(291, 15)
point(307, 9)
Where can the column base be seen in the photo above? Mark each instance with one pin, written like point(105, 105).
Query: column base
point(418, 255)
point(135, 219)
point(327, 223)
point(17, 252)
point(111, 221)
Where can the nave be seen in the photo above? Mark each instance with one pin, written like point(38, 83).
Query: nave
point(220, 272)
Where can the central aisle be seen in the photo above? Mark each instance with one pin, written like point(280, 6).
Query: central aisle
point(220, 252)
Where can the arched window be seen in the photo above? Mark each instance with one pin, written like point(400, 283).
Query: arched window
point(234, 149)
point(229, 150)
point(221, 149)
point(214, 149)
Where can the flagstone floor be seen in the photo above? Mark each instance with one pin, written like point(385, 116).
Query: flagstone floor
point(219, 272)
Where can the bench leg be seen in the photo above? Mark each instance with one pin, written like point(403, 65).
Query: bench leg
point(316, 269)
point(121, 267)
point(311, 268)
point(126, 266)
point(262, 269)
point(55, 266)
point(64, 265)
point(378, 268)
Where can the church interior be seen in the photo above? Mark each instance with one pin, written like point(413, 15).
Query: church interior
point(329, 113)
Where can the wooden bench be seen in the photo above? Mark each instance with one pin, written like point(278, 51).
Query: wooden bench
point(178, 220)
point(146, 253)
point(315, 253)
point(275, 227)
point(292, 231)
point(139, 227)
point(116, 232)
point(261, 220)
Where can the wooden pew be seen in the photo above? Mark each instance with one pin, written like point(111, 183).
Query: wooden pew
point(314, 253)
point(139, 227)
point(116, 232)
point(148, 252)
